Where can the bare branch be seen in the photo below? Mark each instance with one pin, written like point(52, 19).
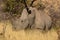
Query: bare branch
point(29, 11)
point(32, 2)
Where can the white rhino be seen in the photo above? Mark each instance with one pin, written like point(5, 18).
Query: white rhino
point(46, 19)
point(26, 20)
point(32, 20)
point(42, 20)
point(21, 22)
point(36, 20)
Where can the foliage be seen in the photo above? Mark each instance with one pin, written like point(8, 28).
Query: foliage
point(15, 7)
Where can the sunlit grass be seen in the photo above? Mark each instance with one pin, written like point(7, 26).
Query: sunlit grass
point(27, 34)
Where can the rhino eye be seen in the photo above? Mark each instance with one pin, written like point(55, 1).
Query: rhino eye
point(22, 21)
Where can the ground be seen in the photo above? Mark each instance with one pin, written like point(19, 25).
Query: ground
point(10, 34)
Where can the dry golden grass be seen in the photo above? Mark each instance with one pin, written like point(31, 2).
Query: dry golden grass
point(26, 35)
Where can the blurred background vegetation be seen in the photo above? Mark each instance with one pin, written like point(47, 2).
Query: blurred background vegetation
point(15, 7)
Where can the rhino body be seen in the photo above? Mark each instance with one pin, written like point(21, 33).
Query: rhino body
point(46, 19)
point(36, 20)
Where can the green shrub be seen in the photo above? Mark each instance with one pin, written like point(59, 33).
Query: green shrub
point(15, 7)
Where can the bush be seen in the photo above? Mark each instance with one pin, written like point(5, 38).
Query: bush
point(15, 7)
